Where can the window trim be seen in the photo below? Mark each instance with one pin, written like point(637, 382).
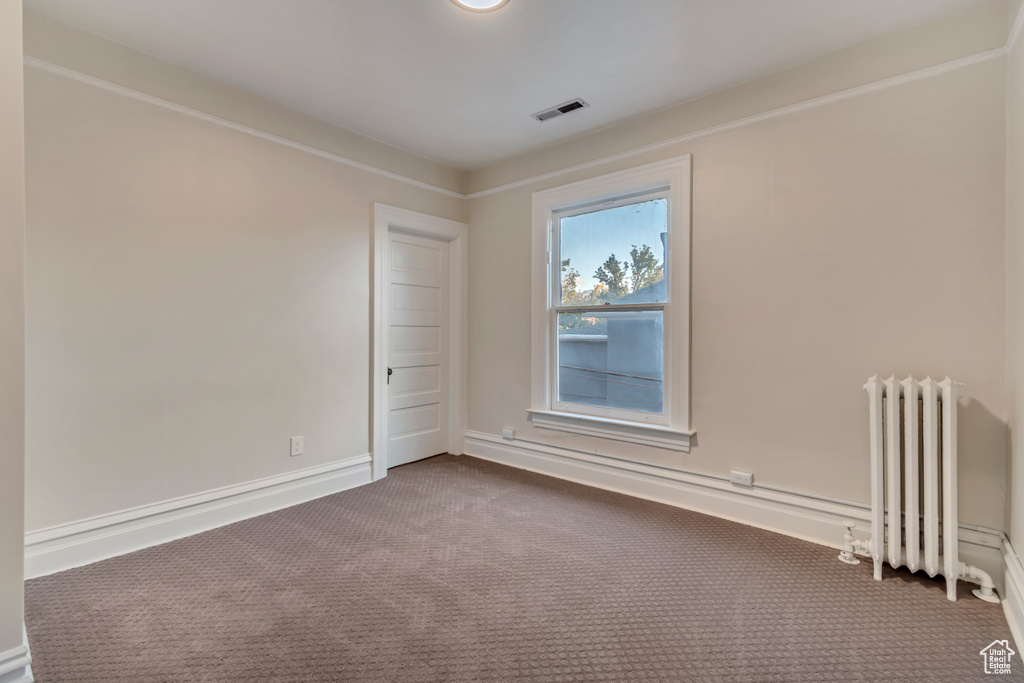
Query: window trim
point(674, 430)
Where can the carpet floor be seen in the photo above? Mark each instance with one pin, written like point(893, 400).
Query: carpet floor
point(456, 569)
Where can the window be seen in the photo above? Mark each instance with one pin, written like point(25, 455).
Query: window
point(611, 306)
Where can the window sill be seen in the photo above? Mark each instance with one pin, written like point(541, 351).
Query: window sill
point(657, 436)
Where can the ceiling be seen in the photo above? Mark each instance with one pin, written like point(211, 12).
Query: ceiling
point(459, 87)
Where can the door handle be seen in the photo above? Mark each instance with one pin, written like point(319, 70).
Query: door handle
point(389, 375)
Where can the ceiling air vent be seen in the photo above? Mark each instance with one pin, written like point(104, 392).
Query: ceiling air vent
point(564, 108)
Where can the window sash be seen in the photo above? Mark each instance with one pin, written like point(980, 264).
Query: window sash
point(555, 277)
point(624, 199)
point(662, 418)
point(610, 307)
point(555, 307)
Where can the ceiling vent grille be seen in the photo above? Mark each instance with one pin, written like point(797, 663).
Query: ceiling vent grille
point(564, 108)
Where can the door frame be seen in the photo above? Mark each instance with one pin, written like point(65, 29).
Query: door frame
point(387, 219)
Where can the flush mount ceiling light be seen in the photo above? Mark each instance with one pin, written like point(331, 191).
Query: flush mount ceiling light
point(481, 5)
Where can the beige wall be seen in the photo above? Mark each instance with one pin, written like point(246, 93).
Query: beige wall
point(56, 43)
point(1015, 290)
point(962, 36)
point(864, 236)
point(12, 324)
point(196, 296)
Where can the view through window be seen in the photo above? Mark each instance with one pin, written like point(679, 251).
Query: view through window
point(610, 305)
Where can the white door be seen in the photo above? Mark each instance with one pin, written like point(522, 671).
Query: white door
point(418, 310)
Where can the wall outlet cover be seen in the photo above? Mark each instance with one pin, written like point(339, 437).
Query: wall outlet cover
point(740, 478)
point(296, 443)
point(507, 433)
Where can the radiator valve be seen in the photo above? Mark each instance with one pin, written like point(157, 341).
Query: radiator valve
point(849, 544)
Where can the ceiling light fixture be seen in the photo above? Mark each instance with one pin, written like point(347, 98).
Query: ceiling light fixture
point(481, 5)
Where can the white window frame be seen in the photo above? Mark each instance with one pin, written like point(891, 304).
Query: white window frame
point(670, 430)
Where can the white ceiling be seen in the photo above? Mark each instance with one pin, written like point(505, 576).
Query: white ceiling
point(459, 87)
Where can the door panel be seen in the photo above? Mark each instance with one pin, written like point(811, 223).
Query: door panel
point(414, 340)
point(408, 257)
point(416, 298)
point(408, 382)
point(416, 421)
point(418, 314)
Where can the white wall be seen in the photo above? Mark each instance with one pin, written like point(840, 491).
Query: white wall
point(12, 326)
point(858, 237)
point(1015, 290)
point(196, 296)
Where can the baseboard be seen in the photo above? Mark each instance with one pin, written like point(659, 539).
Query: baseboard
point(79, 543)
point(793, 514)
point(16, 663)
point(1013, 595)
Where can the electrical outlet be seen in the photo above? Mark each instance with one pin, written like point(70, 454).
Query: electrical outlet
point(739, 478)
point(296, 442)
point(508, 434)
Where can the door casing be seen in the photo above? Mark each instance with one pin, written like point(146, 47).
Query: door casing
point(389, 218)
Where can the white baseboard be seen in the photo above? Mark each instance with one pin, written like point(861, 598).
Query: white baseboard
point(16, 663)
point(98, 538)
point(1013, 595)
point(793, 514)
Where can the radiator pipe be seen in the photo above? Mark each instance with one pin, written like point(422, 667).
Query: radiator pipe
point(971, 573)
point(968, 572)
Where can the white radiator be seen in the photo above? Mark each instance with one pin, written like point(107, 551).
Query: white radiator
point(913, 483)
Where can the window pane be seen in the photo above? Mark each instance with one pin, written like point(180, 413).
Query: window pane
point(615, 255)
point(612, 360)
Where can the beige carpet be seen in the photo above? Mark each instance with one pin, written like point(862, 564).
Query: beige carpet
point(455, 569)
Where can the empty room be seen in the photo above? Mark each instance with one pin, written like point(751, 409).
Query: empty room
point(511, 340)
